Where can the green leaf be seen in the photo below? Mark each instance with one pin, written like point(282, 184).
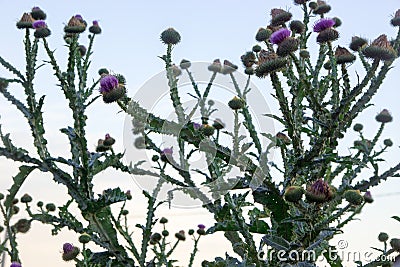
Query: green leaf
point(397, 218)
point(260, 227)
point(19, 179)
point(109, 196)
point(276, 242)
point(223, 226)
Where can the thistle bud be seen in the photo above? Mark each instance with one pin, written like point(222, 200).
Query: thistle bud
point(395, 21)
point(236, 103)
point(25, 22)
point(353, 197)
point(170, 36)
point(103, 71)
point(38, 14)
point(395, 244)
point(249, 71)
point(163, 220)
point(180, 235)
point(383, 237)
point(215, 66)
point(76, 24)
point(248, 59)
point(300, 2)
point(321, 8)
point(357, 43)
point(304, 53)
point(380, 49)
point(228, 67)
point(368, 197)
point(388, 142)
point(95, 28)
point(128, 195)
point(69, 252)
point(176, 71)
point(26, 198)
point(124, 212)
point(41, 30)
point(84, 238)
point(263, 34)
point(293, 193)
point(319, 192)
point(23, 226)
point(297, 26)
point(358, 127)
point(155, 238)
point(338, 22)
point(165, 233)
point(191, 232)
point(384, 116)
point(140, 142)
point(82, 50)
point(207, 130)
point(313, 5)
point(218, 124)
point(3, 84)
point(256, 48)
point(343, 56)
point(185, 64)
point(269, 62)
point(279, 17)
point(155, 158)
point(50, 207)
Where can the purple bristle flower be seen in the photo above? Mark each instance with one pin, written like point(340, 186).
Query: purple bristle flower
point(35, 8)
point(108, 83)
point(39, 24)
point(68, 247)
point(279, 36)
point(15, 264)
point(167, 151)
point(196, 126)
point(201, 226)
point(95, 23)
point(323, 24)
point(77, 16)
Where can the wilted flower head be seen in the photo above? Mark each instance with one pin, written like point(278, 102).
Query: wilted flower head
point(25, 22)
point(343, 55)
point(39, 24)
point(279, 16)
point(368, 197)
point(279, 36)
point(108, 83)
point(167, 151)
point(319, 192)
point(384, 116)
point(380, 49)
point(323, 24)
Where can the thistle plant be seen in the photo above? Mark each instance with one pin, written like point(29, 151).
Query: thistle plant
point(271, 206)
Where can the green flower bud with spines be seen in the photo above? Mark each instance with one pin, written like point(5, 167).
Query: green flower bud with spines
point(165, 233)
point(353, 197)
point(357, 43)
point(155, 238)
point(26, 198)
point(155, 158)
point(124, 212)
point(236, 103)
point(180, 235)
point(383, 237)
point(395, 21)
point(249, 71)
point(84, 238)
point(15, 209)
point(279, 16)
point(23, 226)
point(297, 26)
point(384, 116)
point(327, 35)
point(50, 207)
point(40, 204)
point(287, 46)
point(395, 244)
point(338, 22)
point(388, 142)
point(207, 130)
point(263, 34)
point(322, 8)
point(185, 64)
point(163, 220)
point(170, 36)
point(38, 14)
point(293, 193)
point(191, 232)
point(312, 5)
point(201, 232)
point(103, 71)
point(218, 124)
point(256, 48)
point(358, 127)
point(140, 142)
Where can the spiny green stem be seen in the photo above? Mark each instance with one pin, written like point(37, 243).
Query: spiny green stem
point(193, 254)
point(334, 77)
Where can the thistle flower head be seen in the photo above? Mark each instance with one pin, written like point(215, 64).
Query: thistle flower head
point(228, 67)
point(15, 264)
point(357, 43)
point(170, 36)
point(248, 59)
point(215, 66)
point(395, 21)
point(95, 28)
point(343, 55)
point(319, 192)
point(167, 151)
point(201, 226)
point(67, 247)
point(279, 16)
point(25, 22)
point(279, 36)
point(38, 14)
point(196, 125)
point(384, 116)
point(323, 24)
point(380, 49)
point(108, 83)
point(39, 24)
point(368, 197)
point(69, 252)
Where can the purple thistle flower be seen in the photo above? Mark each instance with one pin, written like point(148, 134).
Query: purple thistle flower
point(279, 36)
point(95, 23)
point(196, 126)
point(77, 16)
point(15, 264)
point(68, 247)
point(167, 151)
point(108, 83)
point(39, 24)
point(35, 8)
point(201, 226)
point(323, 24)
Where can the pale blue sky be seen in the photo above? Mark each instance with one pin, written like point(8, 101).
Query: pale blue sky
point(130, 45)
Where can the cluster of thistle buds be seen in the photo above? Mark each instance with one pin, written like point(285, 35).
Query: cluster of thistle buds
point(105, 144)
point(262, 62)
point(320, 192)
point(36, 20)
